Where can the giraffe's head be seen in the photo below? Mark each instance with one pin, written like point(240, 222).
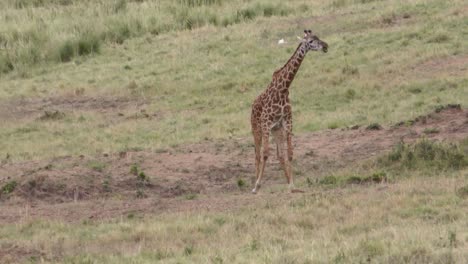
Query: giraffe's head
point(312, 42)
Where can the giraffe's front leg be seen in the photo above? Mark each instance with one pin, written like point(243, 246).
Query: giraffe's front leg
point(265, 153)
point(288, 132)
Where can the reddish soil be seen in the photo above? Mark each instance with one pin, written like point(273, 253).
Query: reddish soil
point(196, 176)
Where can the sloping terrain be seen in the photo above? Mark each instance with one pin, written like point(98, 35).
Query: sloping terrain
point(77, 188)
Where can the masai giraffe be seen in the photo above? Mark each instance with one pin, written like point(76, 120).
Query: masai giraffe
point(271, 111)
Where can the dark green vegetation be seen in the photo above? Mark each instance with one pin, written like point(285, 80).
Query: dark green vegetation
point(427, 155)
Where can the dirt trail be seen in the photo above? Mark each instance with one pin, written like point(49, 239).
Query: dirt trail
point(80, 188)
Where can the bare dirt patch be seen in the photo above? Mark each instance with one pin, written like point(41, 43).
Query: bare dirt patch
point(455, 66)
point(196, 176)
point(34, 108)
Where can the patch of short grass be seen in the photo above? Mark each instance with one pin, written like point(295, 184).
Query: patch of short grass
point(96, 165)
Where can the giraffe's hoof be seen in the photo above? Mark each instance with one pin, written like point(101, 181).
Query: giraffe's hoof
point(254, 191)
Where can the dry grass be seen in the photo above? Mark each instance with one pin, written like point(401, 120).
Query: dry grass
point(416, 220)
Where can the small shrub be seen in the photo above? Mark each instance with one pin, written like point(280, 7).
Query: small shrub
point(240, 183)
point(328, 180)
point(374, 126)
point(142, 177)
point(52, 115)
point(9, 187)
point(134, 169)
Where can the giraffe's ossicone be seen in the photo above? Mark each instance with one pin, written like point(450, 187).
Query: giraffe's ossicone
point(272, 113)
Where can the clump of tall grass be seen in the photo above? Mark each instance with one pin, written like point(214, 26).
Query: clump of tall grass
point(253, 11)
point(426, 154)
point(6, 65)
point(22, 48)
point(84, 45)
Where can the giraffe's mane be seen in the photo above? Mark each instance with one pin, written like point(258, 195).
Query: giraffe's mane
point(284, 66)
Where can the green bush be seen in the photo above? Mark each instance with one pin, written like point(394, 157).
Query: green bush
point(134, 169)
point(88, 44)
point(427, 154)
point(9, 187)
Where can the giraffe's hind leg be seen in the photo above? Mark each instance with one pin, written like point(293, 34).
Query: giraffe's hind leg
point(258, 146)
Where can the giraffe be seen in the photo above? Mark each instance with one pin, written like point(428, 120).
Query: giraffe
point(271, 112)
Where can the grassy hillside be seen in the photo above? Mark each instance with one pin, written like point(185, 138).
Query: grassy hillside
point(83, 81)
point(194, 67)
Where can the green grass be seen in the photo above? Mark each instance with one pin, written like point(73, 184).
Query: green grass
point(200, 78)
point(427, 155)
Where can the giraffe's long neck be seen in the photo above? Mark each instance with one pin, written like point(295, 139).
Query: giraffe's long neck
point(286, 74)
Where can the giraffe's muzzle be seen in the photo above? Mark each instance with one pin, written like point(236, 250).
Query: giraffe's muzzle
point(324, 47)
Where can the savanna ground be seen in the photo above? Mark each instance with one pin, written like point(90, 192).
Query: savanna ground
point(125, 132)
